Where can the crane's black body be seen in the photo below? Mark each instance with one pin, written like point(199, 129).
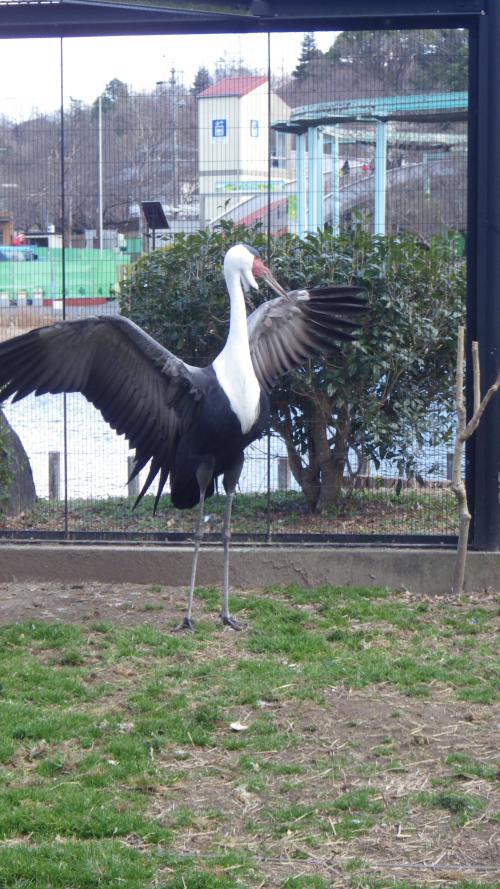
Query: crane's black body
point(215, 432)
point(187, 423)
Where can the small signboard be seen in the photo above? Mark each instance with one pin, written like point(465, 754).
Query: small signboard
point(254, 129)
point(219, 128)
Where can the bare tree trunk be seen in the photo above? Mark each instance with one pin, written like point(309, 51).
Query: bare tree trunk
point(457, 483)
point(333, 460)
point(306, 475)
point(464, 432)
point(321, 477)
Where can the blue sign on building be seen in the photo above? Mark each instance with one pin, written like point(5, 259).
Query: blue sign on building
point(254, 129)
point(219, 128)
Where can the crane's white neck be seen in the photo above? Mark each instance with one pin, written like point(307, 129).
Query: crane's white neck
point(238, 328)
point(233, 366)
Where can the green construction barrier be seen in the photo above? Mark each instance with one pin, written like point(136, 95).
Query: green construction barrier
point(89, 275)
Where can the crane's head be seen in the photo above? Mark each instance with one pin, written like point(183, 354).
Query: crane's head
point(246, 262)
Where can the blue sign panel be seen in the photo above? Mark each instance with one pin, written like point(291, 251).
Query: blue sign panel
point(219, 128)
point(254, 128)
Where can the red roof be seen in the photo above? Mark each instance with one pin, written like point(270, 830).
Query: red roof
point(233, 86)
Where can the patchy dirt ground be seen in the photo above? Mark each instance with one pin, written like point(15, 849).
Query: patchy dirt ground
point(421, 847)
point(125, 605)
point(338, 747)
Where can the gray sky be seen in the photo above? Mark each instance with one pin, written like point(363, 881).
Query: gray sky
point(29, 78)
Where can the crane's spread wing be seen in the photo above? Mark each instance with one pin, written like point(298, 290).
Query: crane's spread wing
point(140, 388)
point(284, 332)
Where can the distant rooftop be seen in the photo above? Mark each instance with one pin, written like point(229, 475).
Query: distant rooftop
point(233, 86)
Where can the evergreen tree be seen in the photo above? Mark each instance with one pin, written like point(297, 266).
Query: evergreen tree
point(442, 60)
point(113, 92)
point(308, 51)
point(202, 80)
point(395, 62)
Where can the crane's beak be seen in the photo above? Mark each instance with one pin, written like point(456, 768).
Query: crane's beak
point(272, 282)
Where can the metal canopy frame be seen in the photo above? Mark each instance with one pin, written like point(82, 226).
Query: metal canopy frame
point(425, 108)
point(84, 18)
point(71, 18)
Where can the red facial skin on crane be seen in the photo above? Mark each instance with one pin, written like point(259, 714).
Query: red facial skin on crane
point(259, 270)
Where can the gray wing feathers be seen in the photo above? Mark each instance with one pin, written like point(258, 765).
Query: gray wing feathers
point(286, 332)
point(141, 389)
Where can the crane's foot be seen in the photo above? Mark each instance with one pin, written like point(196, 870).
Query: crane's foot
point(229, 621)
point(187, 624)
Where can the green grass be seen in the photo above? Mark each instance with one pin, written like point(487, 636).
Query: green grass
point(117, 753)
point(464, 766)
point(462, 806)
point(56, 865)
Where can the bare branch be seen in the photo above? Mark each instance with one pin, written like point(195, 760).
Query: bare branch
point(474, 420)
point(459, 387)
point(476, 376)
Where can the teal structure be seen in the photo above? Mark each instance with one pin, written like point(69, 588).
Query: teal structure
point(313, 125)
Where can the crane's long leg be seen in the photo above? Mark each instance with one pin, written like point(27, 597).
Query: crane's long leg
point(230, 481)
point(204, 475)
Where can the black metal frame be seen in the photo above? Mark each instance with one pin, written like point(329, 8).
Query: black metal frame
point(425, 541)
point(86, 18)
point(66, 18)
point(483, 308)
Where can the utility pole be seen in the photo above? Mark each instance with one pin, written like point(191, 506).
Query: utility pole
point(100, 173)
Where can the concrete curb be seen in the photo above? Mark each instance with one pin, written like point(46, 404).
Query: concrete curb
point(418, 570)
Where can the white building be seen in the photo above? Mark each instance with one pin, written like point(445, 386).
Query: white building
point(233, 128)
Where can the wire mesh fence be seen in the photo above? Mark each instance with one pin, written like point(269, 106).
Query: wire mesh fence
point(353, 132)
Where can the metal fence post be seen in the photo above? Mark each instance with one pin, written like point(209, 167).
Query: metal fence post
point(284, 474)
point(132, 484)
point(268, 507)
point(54, 475)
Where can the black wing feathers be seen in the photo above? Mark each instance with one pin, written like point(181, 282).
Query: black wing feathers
point(141, 389)
point(286, 332)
